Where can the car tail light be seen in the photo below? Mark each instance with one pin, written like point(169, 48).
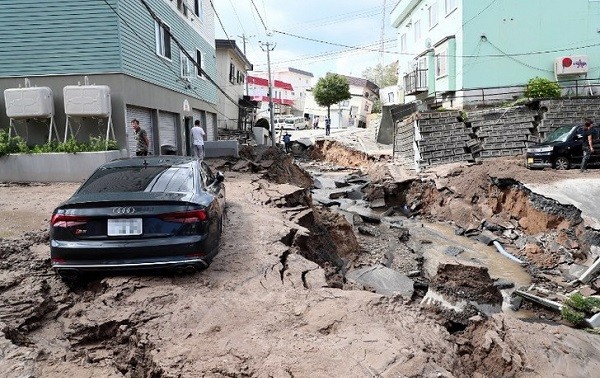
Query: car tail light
point(63, 220)
point(185, 216)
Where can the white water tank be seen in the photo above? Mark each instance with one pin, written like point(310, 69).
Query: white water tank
point(30, 102)
point(87, 100)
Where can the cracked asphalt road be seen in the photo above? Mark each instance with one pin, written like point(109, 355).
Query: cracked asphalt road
point(258, 311)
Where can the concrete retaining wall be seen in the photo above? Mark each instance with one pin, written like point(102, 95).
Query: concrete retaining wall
point(221, 148)
point(445, 137)
point(53, 167)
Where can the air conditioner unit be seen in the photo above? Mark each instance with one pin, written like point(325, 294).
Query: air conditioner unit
point(571, 65)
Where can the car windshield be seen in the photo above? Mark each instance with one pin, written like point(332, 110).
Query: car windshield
point(140, 179)
point(559, 135)
point(289, 120)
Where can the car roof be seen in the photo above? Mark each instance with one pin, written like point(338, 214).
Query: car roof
point(160, 160)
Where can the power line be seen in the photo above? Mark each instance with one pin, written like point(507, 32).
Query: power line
point(259, 16)
point(219, 19)
point(332, 54)
point(332, 43)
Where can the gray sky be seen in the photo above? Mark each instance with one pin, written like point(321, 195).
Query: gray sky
point(348, 22)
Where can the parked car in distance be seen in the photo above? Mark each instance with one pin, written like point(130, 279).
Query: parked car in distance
point(140, 213)
point(295, 123)
point(562, 149)
point(279, 123)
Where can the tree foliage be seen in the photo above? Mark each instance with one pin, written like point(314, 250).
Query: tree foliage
point(383, 76)
point(330, 90)
point(542, 88)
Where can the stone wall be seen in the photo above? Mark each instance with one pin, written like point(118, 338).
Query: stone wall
point(439, 137)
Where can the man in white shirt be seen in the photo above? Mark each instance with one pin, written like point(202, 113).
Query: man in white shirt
point(198, 135)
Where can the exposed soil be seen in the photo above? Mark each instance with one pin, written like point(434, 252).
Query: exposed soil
point(271, 305)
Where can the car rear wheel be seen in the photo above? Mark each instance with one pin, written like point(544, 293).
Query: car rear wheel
point(562, 163)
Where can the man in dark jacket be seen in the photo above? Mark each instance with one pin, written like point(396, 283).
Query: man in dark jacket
point(588, 143)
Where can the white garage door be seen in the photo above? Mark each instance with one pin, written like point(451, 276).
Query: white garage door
point(211, 126)
point(208, 122)
point(144, 115)
point(166, 129)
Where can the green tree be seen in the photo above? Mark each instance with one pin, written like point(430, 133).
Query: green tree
point(330, 90)
point(383, 76)
point(542, 88)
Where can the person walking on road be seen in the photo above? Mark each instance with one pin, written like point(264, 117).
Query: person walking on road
point(287, 141)
point(141, 138)
point(315, 122)
point(588, 143)
point(327, 126)
point(198, 135)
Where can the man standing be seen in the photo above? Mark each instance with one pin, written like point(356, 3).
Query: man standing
point(287, 141)
point(315, 122)
point(327, 125)
point(588, 143)
point(141, 138)
point(198, 135)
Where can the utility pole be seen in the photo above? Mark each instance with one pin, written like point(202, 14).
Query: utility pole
point(382, 42)
point(268, 47)
point(244, 39)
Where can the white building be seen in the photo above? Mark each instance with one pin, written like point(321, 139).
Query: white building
point(232, 69)
point(348, 113)
point(301, 82)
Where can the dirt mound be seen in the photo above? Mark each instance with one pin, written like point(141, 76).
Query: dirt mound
point(335, 152)
point(275, 165)
point(464, 282)
point(330, 242)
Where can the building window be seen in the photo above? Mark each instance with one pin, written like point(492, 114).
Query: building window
point(239, 77)
point(417, 30)
point(390, 97)
point(182, 7)
point(199, 9)
point(441, 64)
point(433, 15)
point(403, 47)
point(200, 61)
point(450, 5)
point(231, 73)
point(186, 71)
point(163, 40)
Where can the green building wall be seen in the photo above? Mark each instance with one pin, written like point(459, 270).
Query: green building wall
point(499, 41)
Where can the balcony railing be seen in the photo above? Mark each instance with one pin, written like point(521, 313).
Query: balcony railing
point(415, 82)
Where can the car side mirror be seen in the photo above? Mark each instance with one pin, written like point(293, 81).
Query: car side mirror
point(220, 177)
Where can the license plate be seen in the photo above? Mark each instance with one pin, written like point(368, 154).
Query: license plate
point(529, 160)
point(124, 227)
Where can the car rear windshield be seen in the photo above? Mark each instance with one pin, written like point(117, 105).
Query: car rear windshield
point(170, 179)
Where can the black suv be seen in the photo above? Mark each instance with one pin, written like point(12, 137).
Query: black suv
point(562, 149)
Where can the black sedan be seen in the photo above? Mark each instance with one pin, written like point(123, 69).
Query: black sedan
point(140, 213)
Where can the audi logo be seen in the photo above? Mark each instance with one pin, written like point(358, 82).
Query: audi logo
point(123, 210)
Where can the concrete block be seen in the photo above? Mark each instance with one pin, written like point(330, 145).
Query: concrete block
point(221, 148)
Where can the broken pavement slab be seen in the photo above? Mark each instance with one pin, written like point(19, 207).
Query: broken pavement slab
point(383, 280)
point(583, 193)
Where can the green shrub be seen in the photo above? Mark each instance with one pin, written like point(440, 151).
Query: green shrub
point(577, 307)
point(542, 88)
point(17, 144)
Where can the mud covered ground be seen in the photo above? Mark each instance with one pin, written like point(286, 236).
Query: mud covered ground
point(261, 310)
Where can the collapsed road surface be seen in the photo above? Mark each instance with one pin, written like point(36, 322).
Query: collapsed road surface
point(260, 310)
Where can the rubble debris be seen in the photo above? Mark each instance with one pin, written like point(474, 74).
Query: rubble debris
point(382, 280)
point(588, 275)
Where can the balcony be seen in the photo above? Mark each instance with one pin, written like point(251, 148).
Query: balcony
point(415, 82)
